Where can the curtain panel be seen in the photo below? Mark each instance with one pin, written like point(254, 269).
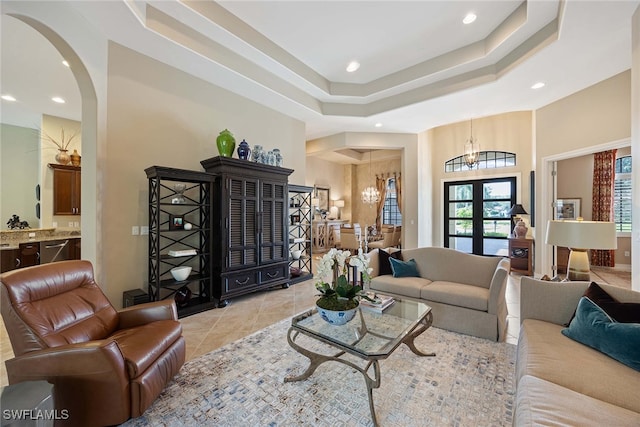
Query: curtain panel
point(604, 174)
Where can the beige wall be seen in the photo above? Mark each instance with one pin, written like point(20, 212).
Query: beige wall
point(588, 121)
point(323, 173)
point(366, 214)
point(162, 116)
point(574, 180)
point(505, 132)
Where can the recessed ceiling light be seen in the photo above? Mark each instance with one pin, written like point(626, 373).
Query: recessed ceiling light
point(65, 63)
point(469, 18)
point(58, 100)
point(537, 85)
point(353, 66)
point(8, 97)
point(378, 125)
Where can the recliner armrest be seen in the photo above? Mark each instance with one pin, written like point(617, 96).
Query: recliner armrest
point(146, 313)
point(90, 359)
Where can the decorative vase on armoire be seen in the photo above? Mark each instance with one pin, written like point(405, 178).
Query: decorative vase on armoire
point(243, 150)
point(226, 143)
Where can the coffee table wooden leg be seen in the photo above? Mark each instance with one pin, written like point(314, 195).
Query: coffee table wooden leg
point(423, 326)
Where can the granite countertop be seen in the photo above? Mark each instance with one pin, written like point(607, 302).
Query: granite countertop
point(11, 239)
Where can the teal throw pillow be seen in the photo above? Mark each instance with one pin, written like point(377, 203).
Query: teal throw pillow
point(593, 327)
point(404, 268)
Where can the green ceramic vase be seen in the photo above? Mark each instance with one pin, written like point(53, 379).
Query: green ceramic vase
point(226, 143)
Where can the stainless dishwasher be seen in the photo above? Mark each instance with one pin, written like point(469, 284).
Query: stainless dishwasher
point(54, 250)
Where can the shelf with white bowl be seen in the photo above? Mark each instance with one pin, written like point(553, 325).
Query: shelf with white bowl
point(178, 197)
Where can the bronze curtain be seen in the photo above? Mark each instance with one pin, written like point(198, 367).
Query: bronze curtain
point(381, 186)
point(604, 174)
point(399, 191)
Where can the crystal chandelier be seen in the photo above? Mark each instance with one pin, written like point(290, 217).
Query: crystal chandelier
point(370, 195)
point(471, 150)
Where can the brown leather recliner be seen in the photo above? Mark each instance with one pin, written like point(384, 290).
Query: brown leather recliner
point(106, 366)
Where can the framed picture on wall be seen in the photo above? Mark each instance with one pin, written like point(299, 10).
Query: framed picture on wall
point(566, 209)
point(322, 193)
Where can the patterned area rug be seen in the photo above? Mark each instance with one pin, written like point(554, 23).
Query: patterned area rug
point(470, 382)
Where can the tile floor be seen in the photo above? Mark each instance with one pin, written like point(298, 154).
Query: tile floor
point(215, 328)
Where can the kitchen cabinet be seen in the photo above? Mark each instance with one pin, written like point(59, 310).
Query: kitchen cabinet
point(66, 189)
point(10, 259)
point(250, 226)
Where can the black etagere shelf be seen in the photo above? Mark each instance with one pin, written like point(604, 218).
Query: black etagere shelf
point(300, 233)
point(180, 220)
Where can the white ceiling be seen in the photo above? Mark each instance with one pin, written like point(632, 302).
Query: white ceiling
point(420, 66)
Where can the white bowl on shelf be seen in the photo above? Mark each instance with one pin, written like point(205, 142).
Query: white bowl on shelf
point(181, 273)
point(296, 254)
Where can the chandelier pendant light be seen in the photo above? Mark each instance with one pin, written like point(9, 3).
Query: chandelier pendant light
point(370, 195)
point(471, 150)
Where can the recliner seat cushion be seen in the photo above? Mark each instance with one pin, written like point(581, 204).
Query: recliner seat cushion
point(467, 296)
point(142, 345)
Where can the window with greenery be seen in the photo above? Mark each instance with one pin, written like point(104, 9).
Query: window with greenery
point(622, 194)
point(486, 160)
point(390, 212)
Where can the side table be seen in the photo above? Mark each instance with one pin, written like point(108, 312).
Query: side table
point(521, 255)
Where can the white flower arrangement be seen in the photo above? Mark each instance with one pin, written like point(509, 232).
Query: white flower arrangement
point(333, 283)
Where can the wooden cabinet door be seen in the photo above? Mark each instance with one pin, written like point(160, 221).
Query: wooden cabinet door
point(273, 231)
point(66, 190)
point(242, 222)
point(29, 254)
point(10, 259)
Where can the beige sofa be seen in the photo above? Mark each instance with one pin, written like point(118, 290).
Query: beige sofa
point(561, 381)
point(466, 292)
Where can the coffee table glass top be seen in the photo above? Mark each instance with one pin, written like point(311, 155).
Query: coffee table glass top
point(369, 334)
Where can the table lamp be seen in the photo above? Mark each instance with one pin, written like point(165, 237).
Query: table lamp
point(339, 204)
point(580, 236)
point(515, 210)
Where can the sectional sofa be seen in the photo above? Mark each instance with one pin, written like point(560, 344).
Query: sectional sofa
point(466, 292)
point(561, 381)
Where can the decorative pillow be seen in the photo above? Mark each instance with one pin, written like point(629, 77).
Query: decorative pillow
point(383, 261)
point(624, 312)
point(593, 327)
point(404, 268)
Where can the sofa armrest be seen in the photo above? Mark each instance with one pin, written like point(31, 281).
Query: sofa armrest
point(93, 361)
point(146, 313)
point(553, 302)
point(498, 287)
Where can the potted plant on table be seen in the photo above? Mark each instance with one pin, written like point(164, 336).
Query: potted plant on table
point(339, 297)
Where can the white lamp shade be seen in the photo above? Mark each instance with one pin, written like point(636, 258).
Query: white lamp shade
point(338, 203)
point(582, 234)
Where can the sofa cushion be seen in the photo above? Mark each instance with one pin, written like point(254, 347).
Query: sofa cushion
point(593, 327)
point(540, 402)
point(406, 286)
point(545, 353)
point(468, 296)
point(384, 261)
point(404, 268)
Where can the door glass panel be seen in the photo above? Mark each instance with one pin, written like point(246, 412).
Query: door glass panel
point(496, 190)
point(463, 244)
point(461, 210)
point(496, 228)
point(498, 247)
point(461, 192)
point(496, 209)
point(461, 227)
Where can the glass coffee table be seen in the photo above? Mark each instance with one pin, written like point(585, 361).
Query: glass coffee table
point(370, 336)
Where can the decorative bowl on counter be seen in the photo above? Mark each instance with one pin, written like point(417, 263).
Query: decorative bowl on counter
point(181, 273)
